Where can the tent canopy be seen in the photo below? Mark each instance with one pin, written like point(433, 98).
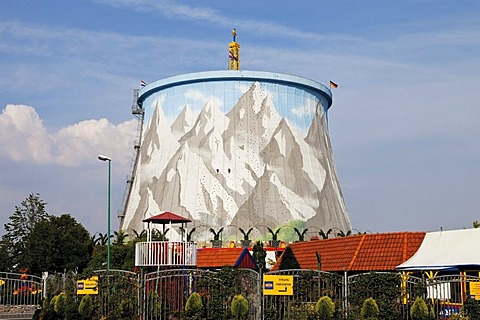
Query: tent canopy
point(167, 217)
point(446, 250)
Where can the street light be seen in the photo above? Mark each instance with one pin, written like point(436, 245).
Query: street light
point(105, 158)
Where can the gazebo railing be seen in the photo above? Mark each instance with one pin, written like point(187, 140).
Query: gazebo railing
point(165, 253)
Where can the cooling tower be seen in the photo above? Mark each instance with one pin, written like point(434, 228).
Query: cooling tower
point(245, 149)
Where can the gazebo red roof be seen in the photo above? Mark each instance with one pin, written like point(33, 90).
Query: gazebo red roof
point(167, 217)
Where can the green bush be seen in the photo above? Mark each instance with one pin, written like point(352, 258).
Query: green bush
point(325, 308)
point(419, 310)
point(194, 306)
point(239, 307)
point(60, 304)
point(154, 305)
point(370, 309)
point(86, 307)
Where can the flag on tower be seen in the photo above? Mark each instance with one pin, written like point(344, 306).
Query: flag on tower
point(333, 84)
point(142, 83)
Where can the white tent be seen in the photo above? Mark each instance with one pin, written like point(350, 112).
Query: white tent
point(444, 250)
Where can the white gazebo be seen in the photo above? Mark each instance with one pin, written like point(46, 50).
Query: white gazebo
point(166, 253)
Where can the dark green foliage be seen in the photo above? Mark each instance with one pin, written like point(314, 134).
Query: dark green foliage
point(14, 245)
point(86, 307)
point(259, 255)
point(370, 309)
point(122, 257)
point(288, 260)
point(194, 306)
point(471, 309)
point(383, 287)
point(239, 307)
point(59, 244)
point(419, 290)
point(60, 304)
point(325, 308)
point(154, 305)
point(419, 310)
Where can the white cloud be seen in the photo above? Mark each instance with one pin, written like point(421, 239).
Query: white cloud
point(24, 138)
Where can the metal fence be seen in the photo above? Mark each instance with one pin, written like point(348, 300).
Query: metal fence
point(20, 289)
point(164, 294)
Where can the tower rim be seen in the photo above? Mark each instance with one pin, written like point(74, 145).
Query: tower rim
point(234, 75)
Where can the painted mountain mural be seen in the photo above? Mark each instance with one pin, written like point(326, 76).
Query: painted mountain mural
point(246, 166)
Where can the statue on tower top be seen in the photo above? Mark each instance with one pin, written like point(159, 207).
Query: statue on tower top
point(234, 53)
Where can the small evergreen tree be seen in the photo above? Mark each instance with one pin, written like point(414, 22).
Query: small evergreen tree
point(239, 307)
point(325, 308)
point(194, 306)
point(60, 304)
point(419, 310)
point(86, 307)
point(370, 309)
point(259, 255)
point(14, 244)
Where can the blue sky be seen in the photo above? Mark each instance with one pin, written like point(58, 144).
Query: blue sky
point(404, 123)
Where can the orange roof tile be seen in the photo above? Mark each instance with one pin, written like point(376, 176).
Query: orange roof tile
point(366, 252)
point(221, 257)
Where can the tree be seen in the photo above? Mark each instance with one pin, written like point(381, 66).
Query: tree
point(259, 255)
point(419, 310)
point(194, 306)
point(86, 307)
point(325, 308)
point(370, 309)
point(59, 244)
point(239, 307)
point(14, 242)
point(288, 260)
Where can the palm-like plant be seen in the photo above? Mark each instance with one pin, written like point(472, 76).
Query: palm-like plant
point(216, 242)
point(343, 234)
point(120, 237)
point(216, 235)
point(246, 240)
point(325, 235)
point(101, 239)
point(301, 235)
point(275, 242)
point(190, 233)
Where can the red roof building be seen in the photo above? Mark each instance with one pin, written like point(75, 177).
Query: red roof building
point(216, 258)
point(357, 253)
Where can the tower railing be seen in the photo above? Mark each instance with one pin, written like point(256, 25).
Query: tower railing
point(165, 253)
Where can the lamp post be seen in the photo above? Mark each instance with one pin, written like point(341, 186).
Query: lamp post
point(105, 158)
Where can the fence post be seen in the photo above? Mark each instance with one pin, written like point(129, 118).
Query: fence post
point(345, 294)
point(141, 294)
point(44, 285)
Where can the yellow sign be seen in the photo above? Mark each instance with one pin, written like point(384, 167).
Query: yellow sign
point(88, 286)
point(276, 285)
point(2, 282)
point(475, 290)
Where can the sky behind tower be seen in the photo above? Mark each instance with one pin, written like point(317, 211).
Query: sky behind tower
point(404, 122)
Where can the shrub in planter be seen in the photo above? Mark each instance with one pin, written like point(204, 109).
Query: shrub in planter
point(419, 310)
point(370, 309)
point(194, 305)
point(239, 307)
point(325, 308)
